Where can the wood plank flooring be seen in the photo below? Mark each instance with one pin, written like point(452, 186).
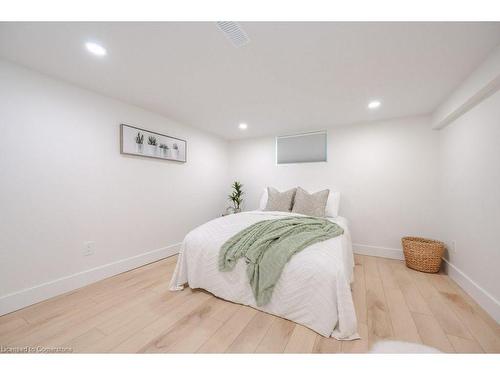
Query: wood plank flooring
point(134, 312)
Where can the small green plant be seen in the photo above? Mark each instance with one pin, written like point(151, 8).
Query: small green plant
point(139, 139)
point(163, 146)
point(236, 196)
point(175, 147)
point(152, 140)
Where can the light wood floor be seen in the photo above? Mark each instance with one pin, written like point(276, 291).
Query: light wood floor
point(135, 312)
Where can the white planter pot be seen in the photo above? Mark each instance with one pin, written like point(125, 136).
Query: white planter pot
point(152, 150)
point(139, 148)
point(175, 154)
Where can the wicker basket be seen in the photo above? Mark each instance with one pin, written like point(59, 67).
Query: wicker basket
point(422, 254)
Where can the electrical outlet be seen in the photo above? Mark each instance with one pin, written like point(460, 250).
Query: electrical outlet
point(88, 248)
point(454, 246)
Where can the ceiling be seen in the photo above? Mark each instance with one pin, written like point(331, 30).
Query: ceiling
point(291, 76)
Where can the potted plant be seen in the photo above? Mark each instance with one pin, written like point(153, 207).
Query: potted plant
point(152, 143)
point(236, 196)
point(164, 149)
point(139, 143)
point(175, 151)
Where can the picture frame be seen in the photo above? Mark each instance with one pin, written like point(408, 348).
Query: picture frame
point(146, 143)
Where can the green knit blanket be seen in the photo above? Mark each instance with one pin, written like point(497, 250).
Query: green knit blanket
point(269, 244)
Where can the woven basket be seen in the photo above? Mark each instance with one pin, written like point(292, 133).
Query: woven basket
point(422, 254)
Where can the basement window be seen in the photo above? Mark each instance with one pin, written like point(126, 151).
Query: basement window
point(301, 148)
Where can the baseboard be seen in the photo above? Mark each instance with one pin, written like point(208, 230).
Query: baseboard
point(29, 296)
point(378, 251)
point(481, 296)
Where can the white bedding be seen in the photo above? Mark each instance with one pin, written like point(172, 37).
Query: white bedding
point(313, 290)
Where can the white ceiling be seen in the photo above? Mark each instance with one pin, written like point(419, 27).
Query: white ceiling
point(290, 77)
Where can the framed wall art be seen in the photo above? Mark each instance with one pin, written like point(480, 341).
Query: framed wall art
point(142, 142)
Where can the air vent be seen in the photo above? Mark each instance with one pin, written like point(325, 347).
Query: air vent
point(234, 33)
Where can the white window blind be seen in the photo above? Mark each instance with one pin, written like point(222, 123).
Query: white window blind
point(301, 148)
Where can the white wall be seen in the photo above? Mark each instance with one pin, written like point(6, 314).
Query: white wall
point(470, 199)
point(387, 173)
point(64, 181)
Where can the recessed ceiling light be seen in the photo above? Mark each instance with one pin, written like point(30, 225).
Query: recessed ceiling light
point(374, 104)
point(242, 126)
point(95, 49)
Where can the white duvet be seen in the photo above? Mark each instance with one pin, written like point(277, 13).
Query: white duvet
point(313, 290)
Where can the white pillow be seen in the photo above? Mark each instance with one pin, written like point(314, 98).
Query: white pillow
point(263, 200)
point(332, 205)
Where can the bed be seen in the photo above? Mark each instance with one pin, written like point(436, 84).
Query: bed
point(313, 290)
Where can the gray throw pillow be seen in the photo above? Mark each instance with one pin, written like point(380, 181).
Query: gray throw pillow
point(277, 201)
point(310, 204)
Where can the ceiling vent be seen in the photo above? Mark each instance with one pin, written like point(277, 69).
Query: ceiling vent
point(234, 33)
